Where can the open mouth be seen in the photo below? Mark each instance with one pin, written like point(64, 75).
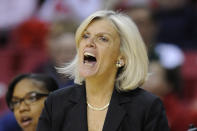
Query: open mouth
point(89, 59)
point(25, 121)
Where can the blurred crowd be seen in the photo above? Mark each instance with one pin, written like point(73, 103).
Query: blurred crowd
point(38, 35)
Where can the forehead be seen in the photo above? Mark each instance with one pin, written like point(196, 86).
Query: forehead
point(25, 86)
point(102, 26)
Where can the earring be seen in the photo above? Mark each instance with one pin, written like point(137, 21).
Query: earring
point(119, 64)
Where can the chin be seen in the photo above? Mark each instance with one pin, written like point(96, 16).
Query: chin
point(86, 74)
point(29, 129)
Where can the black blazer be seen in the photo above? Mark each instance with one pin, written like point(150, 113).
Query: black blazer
point(136, 110)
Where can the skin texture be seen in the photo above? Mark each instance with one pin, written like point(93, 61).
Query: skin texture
point(33, 111)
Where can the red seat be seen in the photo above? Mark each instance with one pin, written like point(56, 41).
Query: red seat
point(189, 73)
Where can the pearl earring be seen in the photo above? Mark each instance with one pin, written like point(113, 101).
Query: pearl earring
point(119, 64)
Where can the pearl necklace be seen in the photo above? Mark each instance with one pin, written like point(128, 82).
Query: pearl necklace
point(98, 109)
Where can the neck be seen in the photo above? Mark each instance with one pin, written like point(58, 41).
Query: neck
point(99, 90)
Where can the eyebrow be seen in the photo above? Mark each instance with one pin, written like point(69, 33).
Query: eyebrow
point(15, 97)
point(86, 31)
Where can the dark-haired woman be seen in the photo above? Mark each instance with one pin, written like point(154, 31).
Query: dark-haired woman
point(25, 97)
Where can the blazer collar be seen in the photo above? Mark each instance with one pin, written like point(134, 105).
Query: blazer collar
point(79, 110)
point(115, 113)
point(78, 94)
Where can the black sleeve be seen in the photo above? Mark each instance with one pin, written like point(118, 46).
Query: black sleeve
point(156, 117)
point(45, 123)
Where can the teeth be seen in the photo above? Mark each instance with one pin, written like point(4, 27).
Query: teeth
point(89, 54)
point(89, 64)
point(26, 118)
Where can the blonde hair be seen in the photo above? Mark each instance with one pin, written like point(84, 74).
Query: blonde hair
point(134, 73)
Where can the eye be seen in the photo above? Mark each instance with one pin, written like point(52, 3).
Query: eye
point(85, 36)
point(15, 102)
point(31, 98)
point(103, 39)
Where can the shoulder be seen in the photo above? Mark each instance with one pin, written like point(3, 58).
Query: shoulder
point(140, 94)
point(142, 104)
point(63, 91)
point(150, 101)
point(63, 94)
point(146, 97)
point(140, 99)
point(148, 108)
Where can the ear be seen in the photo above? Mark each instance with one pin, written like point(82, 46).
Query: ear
point(120, 61)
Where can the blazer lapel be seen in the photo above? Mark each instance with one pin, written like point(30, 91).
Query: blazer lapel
point(116, 112)
point(78, 114)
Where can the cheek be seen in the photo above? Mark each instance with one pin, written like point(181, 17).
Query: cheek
point(109, 60)
point(81, 45)
point(110, 53)
point(37, 109)
point(80, 51)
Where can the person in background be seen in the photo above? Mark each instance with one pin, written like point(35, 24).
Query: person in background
point(147, 26)
point(110, 67)
point(177, 23)
point(166, 60)
point(61, 50)
point(25, 97)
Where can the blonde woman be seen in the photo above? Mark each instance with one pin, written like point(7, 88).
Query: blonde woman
point(109, 68)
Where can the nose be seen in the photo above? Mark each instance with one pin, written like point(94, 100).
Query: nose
point(91, 43)
point(23, 107)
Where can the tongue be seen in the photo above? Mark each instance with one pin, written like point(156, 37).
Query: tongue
point(90, 63)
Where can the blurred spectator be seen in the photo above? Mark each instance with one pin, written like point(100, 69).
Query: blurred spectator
point(131, 3)
point(143, 18)
point(4, 38)
point(61, 49)
point(177, 23)
point(30, 35)
point(190, 74)
point(13, 13)
point(53, 9)
point(166, 81)
point(166, 84)
point(166, 68)
point(165, 58)
point(37, 87)
point(73, 9)
point(165, 74)
point(165, 78)
point(25, 49)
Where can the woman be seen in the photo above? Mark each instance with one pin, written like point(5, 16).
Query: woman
point(25, 97)
point(110, 66)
